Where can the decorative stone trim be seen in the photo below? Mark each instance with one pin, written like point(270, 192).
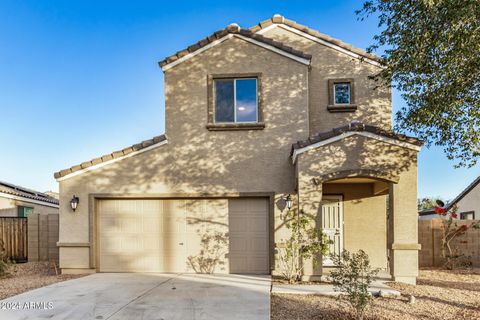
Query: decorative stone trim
point(74, 244)
point(406, 246)
point(342, 108)
point(235, 126)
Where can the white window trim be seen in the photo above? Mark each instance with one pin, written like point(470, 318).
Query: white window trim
point(349, 94)
point(403, 144)
point(234, 101)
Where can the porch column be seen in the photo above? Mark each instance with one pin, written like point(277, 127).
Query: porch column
point(403, 227)
point(309, 198)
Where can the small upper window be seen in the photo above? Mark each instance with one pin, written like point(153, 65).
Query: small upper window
point(469, 215)
point(341, 95)
point(23, 212)
point(236, 100)
point(341, 92)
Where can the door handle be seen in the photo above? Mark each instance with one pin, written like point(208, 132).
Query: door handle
point(180, 243)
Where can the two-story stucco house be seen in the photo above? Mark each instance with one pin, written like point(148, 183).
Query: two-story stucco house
point(252, 116)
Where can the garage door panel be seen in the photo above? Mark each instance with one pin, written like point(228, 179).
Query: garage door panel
point(257, 207)
point(249, 245)
point(238, 224)
point(258, 224)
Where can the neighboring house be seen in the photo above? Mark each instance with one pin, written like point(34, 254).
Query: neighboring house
point(252, 116)
point(427, 214)
point(467, 203)
point(18, 201)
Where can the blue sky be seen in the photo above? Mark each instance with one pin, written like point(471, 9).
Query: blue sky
point(79, 79)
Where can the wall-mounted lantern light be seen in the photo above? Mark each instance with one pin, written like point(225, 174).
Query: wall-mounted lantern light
point(289, 202)
point(74, 202)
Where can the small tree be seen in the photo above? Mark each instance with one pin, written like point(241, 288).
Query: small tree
point(353, 276)
point(305, 242)
point(451, 230)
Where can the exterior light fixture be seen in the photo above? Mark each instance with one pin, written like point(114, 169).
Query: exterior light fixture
point(74, 202)
point(289, 202)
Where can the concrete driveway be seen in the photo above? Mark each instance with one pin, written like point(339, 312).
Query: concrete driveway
point(146, 296)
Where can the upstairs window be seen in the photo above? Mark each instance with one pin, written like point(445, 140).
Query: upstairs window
point(341, 95)
point(236, 100)
point(341, 92)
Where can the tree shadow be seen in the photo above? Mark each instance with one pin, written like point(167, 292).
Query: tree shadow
point(212, 253)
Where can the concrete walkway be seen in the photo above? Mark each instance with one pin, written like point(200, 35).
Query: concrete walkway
point(325, 289)
point(146, 296)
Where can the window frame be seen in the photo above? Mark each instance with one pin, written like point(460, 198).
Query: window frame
point(341, 107)
point(211, 112)
point(23, 211)
point(235, 101)
point(462, 215)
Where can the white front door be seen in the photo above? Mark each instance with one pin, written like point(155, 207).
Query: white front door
point(332, 225)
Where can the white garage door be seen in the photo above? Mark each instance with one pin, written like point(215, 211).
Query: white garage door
point(183, 235)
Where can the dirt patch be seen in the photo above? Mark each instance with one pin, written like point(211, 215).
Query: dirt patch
point(29, 276)
point(440, 294)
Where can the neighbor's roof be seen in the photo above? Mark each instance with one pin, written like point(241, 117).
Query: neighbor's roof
point(14, 190)
point(463, 193)
point(112, 156)
point(232, 29)
point(280, 20)
point(426, 212)
point(353, 127)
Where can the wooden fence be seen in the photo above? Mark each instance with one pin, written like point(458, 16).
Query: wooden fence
point(34, 238)
point(14, 237)
point(430, 234)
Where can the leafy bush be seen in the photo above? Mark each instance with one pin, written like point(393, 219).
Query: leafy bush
point(353, 277)
point(5, 262)
point(305, 242)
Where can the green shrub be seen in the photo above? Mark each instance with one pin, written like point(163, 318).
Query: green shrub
point(5, 262)
point(305, 242)
point(352, 277)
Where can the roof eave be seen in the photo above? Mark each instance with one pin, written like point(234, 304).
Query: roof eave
point(313, 34)
point(225, 34)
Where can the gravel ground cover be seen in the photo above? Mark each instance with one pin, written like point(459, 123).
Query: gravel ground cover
point(439, 294)
point(29, 276)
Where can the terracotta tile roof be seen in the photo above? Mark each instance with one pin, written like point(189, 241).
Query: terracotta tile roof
point(355, 126)
point(18, 191)
point(111, 156)
point(278, 19)
point(232, 29)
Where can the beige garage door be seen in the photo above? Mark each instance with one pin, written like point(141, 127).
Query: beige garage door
point(248, 221)
point(183, 235)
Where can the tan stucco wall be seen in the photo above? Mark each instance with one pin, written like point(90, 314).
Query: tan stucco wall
point(8, 207)
point(196, 160)
point(357, 152)
point(361, 153)
point(470, 202)
point(374, 106)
